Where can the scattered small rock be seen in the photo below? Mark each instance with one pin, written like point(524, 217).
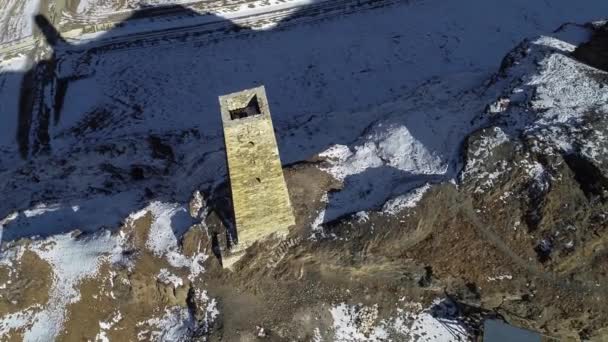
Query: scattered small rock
point(197, 205)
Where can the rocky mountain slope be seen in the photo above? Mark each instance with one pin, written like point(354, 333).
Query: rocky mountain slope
point(465, 190)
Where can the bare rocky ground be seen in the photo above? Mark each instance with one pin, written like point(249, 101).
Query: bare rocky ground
point(479, 258)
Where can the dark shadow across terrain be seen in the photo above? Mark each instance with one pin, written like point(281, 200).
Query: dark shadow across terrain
point(150, 130)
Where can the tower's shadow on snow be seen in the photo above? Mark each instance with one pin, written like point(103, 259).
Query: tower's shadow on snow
point(105, 126)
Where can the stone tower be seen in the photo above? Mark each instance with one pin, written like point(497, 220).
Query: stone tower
point(259, 193)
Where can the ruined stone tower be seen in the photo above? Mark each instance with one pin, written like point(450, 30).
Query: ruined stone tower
point(259, 193)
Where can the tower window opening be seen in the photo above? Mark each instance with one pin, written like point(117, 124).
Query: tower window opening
point(252, 108)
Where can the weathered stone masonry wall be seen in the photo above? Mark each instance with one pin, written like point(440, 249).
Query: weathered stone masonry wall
point(259, 193)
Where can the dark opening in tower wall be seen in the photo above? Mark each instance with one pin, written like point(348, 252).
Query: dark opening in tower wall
point(250, 109)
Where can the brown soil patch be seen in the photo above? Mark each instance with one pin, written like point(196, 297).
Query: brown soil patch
point(30, 282)
point(135, 293)
point(307, 184)
point(444, 246)
point(293, 295)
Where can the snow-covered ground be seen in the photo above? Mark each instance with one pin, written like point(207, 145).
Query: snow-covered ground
point(386, 95)
point(412, 323)
point(16, 19)
point(402, 74)
point(10, 81)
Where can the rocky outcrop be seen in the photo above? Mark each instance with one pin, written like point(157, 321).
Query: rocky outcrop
point(595, 51)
